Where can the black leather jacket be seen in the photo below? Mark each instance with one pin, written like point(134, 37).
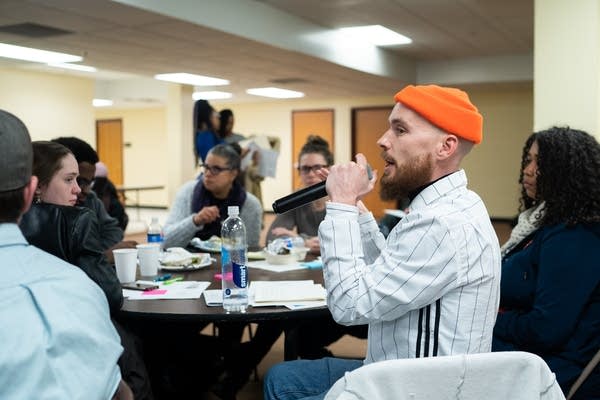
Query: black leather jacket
point(71, 233)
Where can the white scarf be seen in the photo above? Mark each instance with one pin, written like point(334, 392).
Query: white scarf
point(528, 223)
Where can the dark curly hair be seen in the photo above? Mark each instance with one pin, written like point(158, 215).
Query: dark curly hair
point(316, 144)
point(82, 151)
point(568, 176)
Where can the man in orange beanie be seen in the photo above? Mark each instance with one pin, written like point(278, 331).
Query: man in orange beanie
point(432, 288)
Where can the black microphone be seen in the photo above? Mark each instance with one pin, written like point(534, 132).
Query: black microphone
point(304, 196)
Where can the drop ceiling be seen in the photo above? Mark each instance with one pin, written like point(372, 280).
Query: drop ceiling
point(129, 44)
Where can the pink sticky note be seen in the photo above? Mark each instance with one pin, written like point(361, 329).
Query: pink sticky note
point(228, 276)
point(154, 292)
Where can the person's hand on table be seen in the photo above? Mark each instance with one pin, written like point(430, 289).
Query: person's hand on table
point(281, 231)
point(313, 245)
point(206, 215)
point(125, 244)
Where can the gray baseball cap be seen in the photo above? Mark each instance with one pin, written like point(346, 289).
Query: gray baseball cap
point(16, 153)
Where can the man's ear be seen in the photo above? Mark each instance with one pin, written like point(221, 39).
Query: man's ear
point(448, 146)
point(29, 193)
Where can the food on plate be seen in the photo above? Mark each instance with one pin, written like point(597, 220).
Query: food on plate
point(178, 256)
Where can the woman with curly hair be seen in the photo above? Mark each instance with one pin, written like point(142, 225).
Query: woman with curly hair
point(550, 289)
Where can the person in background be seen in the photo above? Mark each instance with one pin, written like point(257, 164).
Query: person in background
point(56, 225)
point(304, 221)
point(432, 287)
point(58, 339)
point(200, 206)
point(111, 235)
point(226, 121)
point(107, 193)
point(550, 289)
point(206, 129)
point(253, 178)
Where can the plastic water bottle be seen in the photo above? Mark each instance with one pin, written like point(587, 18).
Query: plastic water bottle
point(234, 280)
point(154, 234)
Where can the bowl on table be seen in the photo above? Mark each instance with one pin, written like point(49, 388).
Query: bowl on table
point(280, 259)
point(300, 252)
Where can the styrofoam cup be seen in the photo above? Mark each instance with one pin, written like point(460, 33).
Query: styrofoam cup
point(126, 264)
point(148, 256)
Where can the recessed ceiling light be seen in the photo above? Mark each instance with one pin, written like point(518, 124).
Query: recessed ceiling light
point(191, 79)
point(36, 55)
point(76, 67)
point(275, 93)
point(376, 34)
point(211, 95)
point(102, 103)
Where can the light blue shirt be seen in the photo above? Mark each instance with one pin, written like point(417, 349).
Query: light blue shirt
point(57, 340)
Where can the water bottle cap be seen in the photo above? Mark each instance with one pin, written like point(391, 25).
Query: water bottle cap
point(233, 210)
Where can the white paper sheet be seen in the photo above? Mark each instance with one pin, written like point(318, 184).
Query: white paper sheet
point(263, 264)
point(287, 291)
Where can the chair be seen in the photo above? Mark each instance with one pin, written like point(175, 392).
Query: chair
point(584, 374)
point(490, 376)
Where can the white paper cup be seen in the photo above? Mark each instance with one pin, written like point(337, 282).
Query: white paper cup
point(126, 264)
point(148, 256)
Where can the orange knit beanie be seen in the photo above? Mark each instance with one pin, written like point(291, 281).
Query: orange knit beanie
point(447, 108)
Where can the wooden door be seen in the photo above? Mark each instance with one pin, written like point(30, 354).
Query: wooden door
point(109, 145)
point(368, 124)
point(304, 124)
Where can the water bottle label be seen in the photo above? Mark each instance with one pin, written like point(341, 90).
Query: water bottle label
point(154, 238)
point(240, 275)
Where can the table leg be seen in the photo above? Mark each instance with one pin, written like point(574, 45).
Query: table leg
point(290, 343)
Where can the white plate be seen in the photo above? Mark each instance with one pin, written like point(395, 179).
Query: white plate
point(206, 245)
point(191, 267)
point(255, 255)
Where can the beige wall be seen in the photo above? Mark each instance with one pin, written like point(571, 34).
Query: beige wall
point(54, 104)
point(51, 105)
point(493, 166)
point(145, 151)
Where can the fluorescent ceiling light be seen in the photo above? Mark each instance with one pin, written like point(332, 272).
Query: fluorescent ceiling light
point(211, 95)
point(275, 93)
point(191, 79)
point(102, 103)
point(35, 55)
point(76, 67)
point(376, 34)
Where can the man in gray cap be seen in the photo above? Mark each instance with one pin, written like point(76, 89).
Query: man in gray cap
point(61, 340)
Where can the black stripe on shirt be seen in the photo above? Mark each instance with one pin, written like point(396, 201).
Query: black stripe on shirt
point(427, 319)
point(420, 332)
point(436, 326)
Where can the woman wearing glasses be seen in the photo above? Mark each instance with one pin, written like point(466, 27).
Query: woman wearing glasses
point(201, 205)
point(314, 155)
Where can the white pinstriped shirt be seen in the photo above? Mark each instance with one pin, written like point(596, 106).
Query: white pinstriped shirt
point(431, 289)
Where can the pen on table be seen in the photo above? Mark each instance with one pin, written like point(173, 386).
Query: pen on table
point(162, 278)
point(169, 281)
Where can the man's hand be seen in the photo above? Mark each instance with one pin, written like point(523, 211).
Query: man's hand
point(125, 244)
point(348, 183)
